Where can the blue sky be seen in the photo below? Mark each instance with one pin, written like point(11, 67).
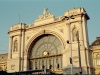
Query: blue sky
point(29, 10)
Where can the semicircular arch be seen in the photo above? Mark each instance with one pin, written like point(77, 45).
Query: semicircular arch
point(44, 32)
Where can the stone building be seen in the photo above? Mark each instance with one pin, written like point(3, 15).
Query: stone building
point(95, 47)
point(51, 43)
point(3, 62)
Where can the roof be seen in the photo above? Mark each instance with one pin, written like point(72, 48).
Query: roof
point(96, 42)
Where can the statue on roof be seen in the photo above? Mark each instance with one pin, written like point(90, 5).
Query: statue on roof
point(46, 14)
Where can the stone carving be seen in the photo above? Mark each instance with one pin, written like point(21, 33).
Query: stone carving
point(12, 67)
point(75, 59)
point(61, 30)
point(75, 33)
point(27, 38)
point(46, 14)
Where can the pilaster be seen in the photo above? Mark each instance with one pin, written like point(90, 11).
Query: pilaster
point(10, 47)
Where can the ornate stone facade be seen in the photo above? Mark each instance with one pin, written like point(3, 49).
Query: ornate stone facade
point(43, 44)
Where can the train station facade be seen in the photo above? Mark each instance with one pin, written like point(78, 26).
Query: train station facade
point(51, 43)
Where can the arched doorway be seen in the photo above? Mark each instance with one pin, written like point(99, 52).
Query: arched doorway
point(46, 53)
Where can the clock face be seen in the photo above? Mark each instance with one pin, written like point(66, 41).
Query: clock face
point(47, 44)
point(45, 53)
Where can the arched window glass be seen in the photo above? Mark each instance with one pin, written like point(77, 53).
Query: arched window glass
point(98, 59)
point(47, 53)
point(15, 46)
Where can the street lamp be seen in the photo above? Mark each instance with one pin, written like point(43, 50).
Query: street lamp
point(80, 67)
point(69, 42)
point(71, 62)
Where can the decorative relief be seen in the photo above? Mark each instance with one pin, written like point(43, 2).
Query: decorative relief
point(75, 59)
point(27, 38)
point(12, 67)
point(61, 30)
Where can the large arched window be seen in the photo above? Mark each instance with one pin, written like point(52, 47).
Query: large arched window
point(46, 53)
point(98, 59)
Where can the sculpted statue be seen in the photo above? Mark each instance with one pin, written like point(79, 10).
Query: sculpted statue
point(46, 14)
point(15, 46)
point(75, 34)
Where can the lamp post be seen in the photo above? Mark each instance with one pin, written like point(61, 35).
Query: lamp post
point(80, 67)
point(70, 42)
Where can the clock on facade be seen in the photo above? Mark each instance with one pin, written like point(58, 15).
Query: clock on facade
point(45, 53)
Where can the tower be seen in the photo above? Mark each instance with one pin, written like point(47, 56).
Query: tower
point(76, 22)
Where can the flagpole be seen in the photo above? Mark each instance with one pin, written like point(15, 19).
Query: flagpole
point(74, 4)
